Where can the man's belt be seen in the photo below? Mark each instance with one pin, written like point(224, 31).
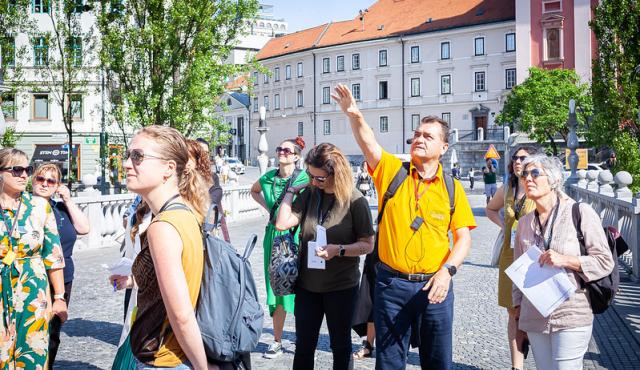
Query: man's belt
point(402, 275)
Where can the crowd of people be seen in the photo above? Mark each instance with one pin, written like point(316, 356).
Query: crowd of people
point(404, 296)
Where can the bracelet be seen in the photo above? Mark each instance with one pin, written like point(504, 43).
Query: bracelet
point(59, 296)
point(290, 190)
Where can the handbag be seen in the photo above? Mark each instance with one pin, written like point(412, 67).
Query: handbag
point(497, 249)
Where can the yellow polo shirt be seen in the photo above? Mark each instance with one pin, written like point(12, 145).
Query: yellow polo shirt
point(427, 249)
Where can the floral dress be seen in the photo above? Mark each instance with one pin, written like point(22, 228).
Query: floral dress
point(25, 302)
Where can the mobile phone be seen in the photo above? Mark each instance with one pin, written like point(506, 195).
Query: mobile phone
point(525, 347)
point(417, 222)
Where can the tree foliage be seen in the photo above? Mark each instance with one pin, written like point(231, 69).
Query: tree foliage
point(165, 60)
point(539, 106)
point(616, 82)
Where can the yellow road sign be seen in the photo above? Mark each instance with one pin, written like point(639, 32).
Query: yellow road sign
point(492, 152)
point(583, 158)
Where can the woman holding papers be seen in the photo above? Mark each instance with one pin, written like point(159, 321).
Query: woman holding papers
point(559, 340)
point(513, 199)
point(335, 229)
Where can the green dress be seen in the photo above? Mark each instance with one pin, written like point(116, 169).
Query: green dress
point(25, 302)
point(272, 186)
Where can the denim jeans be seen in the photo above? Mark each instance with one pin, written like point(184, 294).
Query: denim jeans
point(560, 350)
point(400, 304)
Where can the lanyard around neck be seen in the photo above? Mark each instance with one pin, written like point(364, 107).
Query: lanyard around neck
point(322, 217)
point(547, 242)
point(166, 204)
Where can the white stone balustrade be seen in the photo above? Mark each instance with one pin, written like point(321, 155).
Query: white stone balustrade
point(616, 207)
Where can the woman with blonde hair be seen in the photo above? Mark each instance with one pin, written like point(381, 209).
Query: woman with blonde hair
point(168, 269)
point(332, 205)
point(31, 260)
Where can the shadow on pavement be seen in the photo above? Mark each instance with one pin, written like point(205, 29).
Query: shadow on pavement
point(74, 365)
point(479, 265)
point(107, 332)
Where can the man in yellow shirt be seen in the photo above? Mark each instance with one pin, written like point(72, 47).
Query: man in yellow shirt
point(413, 283)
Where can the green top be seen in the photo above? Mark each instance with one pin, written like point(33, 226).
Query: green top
point(489, 177)
point(272, 185)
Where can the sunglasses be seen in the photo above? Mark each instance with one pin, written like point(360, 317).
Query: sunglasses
point(520, 157)
point(137, 156)
point(535, 173)
point(317, 178)
point(285, 151)
point(42, 180)
point(17, 171)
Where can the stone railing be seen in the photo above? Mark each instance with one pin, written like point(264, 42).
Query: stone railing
point(616, 205)
point(105, 214)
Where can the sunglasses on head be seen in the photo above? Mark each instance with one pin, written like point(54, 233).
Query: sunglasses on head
point(317, 178)
point(17, 171)
point(42, 180)
point(535, 173)
point(285, 151)
point(137, 156)
point(520, 157)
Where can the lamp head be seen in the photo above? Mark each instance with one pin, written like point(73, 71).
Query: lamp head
point(263, 112)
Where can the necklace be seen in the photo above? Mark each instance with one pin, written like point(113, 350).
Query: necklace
point(543, 228)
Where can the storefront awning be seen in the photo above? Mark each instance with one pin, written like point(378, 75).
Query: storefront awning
point(56, 153)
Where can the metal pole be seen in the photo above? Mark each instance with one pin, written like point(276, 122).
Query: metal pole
point(572, 143)
point(103, 183)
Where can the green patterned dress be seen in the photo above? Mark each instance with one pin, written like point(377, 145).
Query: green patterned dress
point(25, 302)
point(272, 186)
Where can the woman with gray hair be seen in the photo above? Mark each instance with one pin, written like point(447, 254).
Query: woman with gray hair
point(560, 340)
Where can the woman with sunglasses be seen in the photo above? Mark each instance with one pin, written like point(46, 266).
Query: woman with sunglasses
point(328, 274)
point(31, 260)
point(168, 269)
point(71, 222)
point(513, 199)
point(268, 191)
point(560, 340)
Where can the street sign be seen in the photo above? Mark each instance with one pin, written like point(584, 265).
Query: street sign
point(492, 153)
point(583, 158)
point(91, 140)
point(232, 131)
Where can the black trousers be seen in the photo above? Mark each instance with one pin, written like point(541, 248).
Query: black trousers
point(55, 325)
point(310, 310)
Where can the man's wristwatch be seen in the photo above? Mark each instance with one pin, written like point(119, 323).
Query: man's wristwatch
point(341, 250)
point(451, 268)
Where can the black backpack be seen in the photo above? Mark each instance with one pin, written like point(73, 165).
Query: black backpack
point(601, 292)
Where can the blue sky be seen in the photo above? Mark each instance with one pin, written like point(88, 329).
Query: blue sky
point(301, 14)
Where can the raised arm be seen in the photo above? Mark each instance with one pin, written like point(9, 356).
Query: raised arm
point(78, 218)
point(361, 131)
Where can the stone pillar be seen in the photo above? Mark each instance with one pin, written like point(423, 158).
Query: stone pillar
point(605, 178)
point(572, 142)
point(623, 179)
point(263, 146)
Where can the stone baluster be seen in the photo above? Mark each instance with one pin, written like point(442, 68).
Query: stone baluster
point(592, 178)
point(454, 136)
point(582, 176)
point(480, 134)
point(605, 178)
point(623, 179)
point(506, 130)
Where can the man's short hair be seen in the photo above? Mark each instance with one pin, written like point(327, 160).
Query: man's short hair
point(444, 126)
point(203, 141)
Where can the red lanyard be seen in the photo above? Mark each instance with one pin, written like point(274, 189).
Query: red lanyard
point(416, 192)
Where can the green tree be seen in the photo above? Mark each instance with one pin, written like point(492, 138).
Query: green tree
point(616, 82)
point(165, 60)
point(540, 105)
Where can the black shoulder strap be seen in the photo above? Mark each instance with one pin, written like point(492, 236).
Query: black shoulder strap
point(276, 205)
point(576, 216)
point(449, 183)
point(399, 177)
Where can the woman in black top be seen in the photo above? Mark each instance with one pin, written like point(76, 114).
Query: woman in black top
point(332, 202)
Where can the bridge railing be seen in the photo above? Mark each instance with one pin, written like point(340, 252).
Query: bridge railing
point(612, 199)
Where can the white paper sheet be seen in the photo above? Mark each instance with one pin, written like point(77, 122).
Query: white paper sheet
point(545, 287)
point(122, 267)
point(321, 236)
point(313, 261)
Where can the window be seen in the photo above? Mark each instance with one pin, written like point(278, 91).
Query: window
point(76, 106)
point(326, 95)
point(480, 81)
point(479, 45)
point(276, 74)
point(549, 6)
point(553, 43)
point(355, 91)
point(384, 124)
point(255, 104)
point(326, 65)
point(276, 101)
point(445, 50)
point(326, 127)
point(266, 102)
point(383, 90)
point(510, 42)
point(445, 84)
point(300, 129)
point(340, 63)
point(40, 52)
point(9, 52)
point(287, 72)
point(300, 69)
point(9, 106)
point(240, 126)
point(40, 110)
point(300, 98)
point(415, 87)
point(415, 121)
point(509, 78)
point(415, 54)
point(75, 51)
point(355, 61)
point(255, 78)
point(40, 6)
point(382, 58)
point(265, 78)
point(446, 117)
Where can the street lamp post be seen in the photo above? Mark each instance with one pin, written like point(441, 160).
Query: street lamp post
point(263, 146)
point(572, 143)
point(3, 123)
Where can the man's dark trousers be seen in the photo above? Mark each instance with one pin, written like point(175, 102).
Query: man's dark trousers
point(399, 304)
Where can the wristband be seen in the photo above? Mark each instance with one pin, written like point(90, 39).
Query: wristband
point(290, 190)
point(59, 296)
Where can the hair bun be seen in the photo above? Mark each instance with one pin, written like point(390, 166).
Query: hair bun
point(300, 142)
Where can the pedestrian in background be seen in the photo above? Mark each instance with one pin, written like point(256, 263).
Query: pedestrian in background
point(472, 178)
point(515, 203)
point(269, 191)
point(560, 340)
point(490, 179)
point(215, 192)
point(334, 204)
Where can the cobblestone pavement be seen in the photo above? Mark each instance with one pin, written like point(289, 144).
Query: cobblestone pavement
point(90, 337)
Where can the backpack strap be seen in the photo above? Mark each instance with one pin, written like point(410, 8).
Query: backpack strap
point(399, 177)
point(276, 205)
point(450, 185)
point(576, 216)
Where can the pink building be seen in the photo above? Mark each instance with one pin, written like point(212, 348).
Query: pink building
point(554, 34)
